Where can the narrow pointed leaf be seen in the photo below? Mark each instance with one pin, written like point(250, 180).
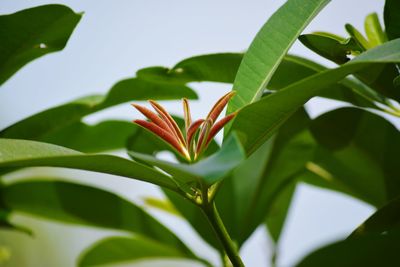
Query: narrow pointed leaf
point(153, 117)
point(218, 126)
point(219, 106)
point(374, 31)
point(269, 48)
point(187, 115)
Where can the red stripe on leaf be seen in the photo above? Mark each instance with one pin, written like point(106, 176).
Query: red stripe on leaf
point(219, 106)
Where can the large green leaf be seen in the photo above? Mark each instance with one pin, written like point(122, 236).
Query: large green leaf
point(257, 122)
point(269, 47)
point(250, 196)
point(392, 19)
point(211, 169)
point(360, 150)
point(40, 126)
point(113, 250)
point(369, 250)
point(32, 33)
point(79, 204)
point(22, 153)
point(384, 219)
point(223, 67)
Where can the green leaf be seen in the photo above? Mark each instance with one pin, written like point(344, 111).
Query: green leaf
point(257, 122)
point(358, 37)
point(247, 198)
point(269, 47)
point(40, 126)
point(220, 67)
point(279, 209)
point(211, 169)
point(328, 47)
point(84, 205)
point(113, 250)
point(370, 250)
point(23, 153)
point(383, 220)
point(293, 69)
point(104, 136)
point(32, 33)
point(392, 19)
point(359, 149)
point(374, 31)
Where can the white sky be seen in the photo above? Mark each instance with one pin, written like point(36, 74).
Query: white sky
point(116, 38)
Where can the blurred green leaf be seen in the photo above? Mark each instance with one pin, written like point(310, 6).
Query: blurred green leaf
point(269, 48)
point(104, 136)
point(257, 122)
point(195, 217)
point(42, 125)
point(392, 19)
point(23, 153)
point(85, 205)
point(211, 169)
point(32, 33)
point(360, 150)
point(374, 31)
point(255, 189)
point(358, 37)
point(369, 250)
point(113, 250)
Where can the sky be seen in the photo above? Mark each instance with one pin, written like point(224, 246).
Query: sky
point(116, 38)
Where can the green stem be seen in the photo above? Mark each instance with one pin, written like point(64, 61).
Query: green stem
point(211, 213)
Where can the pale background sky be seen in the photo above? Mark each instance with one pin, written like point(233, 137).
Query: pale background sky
point(112, 41)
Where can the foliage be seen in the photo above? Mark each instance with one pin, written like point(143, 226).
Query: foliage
point(225, 192)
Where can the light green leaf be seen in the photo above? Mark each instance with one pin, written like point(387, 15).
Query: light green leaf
point(257, 122)
point(84, 205)
point(113, 250)
point(374, 31)
point(269, 48)
point(32, 33)
point(23, 153)
point(211, 169)
point(370, 250)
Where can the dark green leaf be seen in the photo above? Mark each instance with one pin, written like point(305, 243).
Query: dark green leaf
point(32, 33)
point(23, 153)
point(257, 122)
point(360, 150)
point(213, 68)
point(370, 250)
point(392, 19)
point(269, 47)
point(329, 48)
point(385, 219)
point(113, 250)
